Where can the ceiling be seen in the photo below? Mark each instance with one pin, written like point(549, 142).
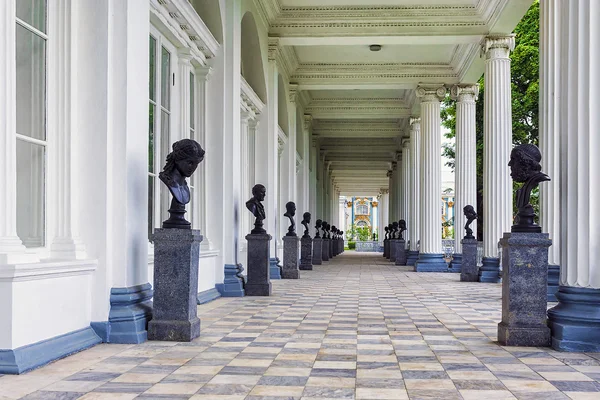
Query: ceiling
point(361, 100)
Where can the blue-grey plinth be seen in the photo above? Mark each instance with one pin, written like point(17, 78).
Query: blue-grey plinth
point(524, 286)
point(176, 256)
point(401, 255)
point(325, 250)
point(393, 249)
point(455, 265)
point(469, 271)
point(331, 244)
point(306, 245)
point(490, 270)
point(386, 248)
point(553, 282)
point(413, 256)
point(275, 268)
point(259, 271)
point(317, 255)
point(290, 257)
point(431, 263)
point(233, 283)
point(575, 320)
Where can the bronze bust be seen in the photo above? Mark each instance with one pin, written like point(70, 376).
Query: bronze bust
point(386, 233)
point(318, 225)
point(525, 168)
point(257, 209)
point(394, 229)
point(290, 212)
point(181, 164)
point(471, 216)
point(402, 226)
point(305, 221)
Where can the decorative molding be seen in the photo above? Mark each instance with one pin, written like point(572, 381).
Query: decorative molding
point(502, 44)
point(274, 48)
point(250, 98)
point(46, 270)
point(308, 120)
point(465, 92)
point(280, 145)
point(430, 93)
point(293, 92)
point(405, 143)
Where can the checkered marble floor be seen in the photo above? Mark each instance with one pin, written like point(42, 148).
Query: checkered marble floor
point(354, 328)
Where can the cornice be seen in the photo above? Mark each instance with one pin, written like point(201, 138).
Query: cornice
point(250, 97)
point(268, 10)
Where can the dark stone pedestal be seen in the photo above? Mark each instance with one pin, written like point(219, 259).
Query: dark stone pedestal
point(274, 268)
point(469, 271)
point(306, 245)
point(341, 246)
point(176, 256)
point(290, 257)
point(401, 252)
point(553, 278)
point(325, 249)
point(233, 284)
point(455, 265)
point(259, 271)
point(413, 256)
point(431, 263)
point(331, 244)
point(575, 320)
point(386, 248)
point(393, 249)
point(524, 287)
point(317, 252)
point(490, 270)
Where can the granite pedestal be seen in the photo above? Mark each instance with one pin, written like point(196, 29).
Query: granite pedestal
point(341, 246)
point(290, 257)
point(176, 256)
point(317, 251)
point(306, 245)
point(325, 250)
point(386, 248)
point(413, 256)
point(393, 249)
point(331, 244)
point(401, 252)
point(259, 274)
point(469, 271)
point(490, 270)
point(524, 289)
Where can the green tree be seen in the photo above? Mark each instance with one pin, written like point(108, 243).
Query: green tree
point(525, 95)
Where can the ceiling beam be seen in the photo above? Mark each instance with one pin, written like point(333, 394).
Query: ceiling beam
point(289, 37)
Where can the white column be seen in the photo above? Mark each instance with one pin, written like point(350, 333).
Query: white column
point(245, 218)
point(313, 178)
point(550, 114)
point(398, 186)
point(497, 143)
point(466, 162)
point(431, 174)
point(406, 196)
point(414, 231)
point(305, 185)
point(201, 176)
point(390, 213)
point(293, 90)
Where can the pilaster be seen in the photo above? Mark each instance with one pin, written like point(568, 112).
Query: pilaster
point(407, 198)
point(414, 231)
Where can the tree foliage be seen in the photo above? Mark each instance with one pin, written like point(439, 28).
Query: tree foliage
point(525, 96)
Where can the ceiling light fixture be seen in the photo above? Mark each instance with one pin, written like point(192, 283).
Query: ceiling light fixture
point(375, 47)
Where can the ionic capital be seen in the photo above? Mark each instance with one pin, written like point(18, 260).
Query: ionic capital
point(497, 46)
point(274, 48)
point(308, 119)
point(405, 143)
point(389, 174)
point(431, 93)
point(415, 123)
point(293, 87)
point(384, 191)
point(466, 93)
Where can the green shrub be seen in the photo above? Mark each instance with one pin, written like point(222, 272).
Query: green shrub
point(351, 245)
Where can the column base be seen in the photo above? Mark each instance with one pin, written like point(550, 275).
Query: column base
point(553, 278)
point(526, 336)
point(275, 268)
point(431, 263)
point(575, 321)
point(490, 270)
point(174, 330)
point(456, 263)
point(413, 256)
point(233, 284)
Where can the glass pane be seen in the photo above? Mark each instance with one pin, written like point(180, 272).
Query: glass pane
point(165, 79)
point(30, 193)
point(32, 12)
point(152, 68)
point(150, 207)
point(151, 139)
point(31, 84)
point(192, 102)
point(165, 148)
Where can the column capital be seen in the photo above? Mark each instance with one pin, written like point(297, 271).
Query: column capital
point(384, 191)
point(467, 93)
point(253, 122)
point(293, 88)
point(389, 173)
point(414, 121)
point(308, 120)
point(431, 93)
point(274, 48)
point(202, 73)
point(184, 55)
point(497, 46)
point(405, 143)
point(394, 165)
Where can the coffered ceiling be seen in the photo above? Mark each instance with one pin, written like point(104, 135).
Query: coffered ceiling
point(360, 100)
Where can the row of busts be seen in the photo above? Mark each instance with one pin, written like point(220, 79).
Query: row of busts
point(395, 230)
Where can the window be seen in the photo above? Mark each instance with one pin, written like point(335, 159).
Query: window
point(31, 41)
point(362, 209)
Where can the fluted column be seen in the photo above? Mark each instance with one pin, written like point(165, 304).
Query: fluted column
point(575, 321)
point(398, 186)
point(550, 135)
point(414, 222)
point(406, 197)
point(466, 162)
point(431, 256)
point(497, 144)
point(392, 197)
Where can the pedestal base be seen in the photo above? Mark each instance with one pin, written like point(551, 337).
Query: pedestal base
point(413, 256)
point(455, 265)
point(259, 271)
point(524, 286)
point(469, 271)
point(306, 245)
point(274, 268)
point(575, 320)
point(490, 270)
point(401, 252)
point(233, 284)
point(431, 263)
point(317, 255)
point(176, 257)
point(393, 249)
point(386, 248)
point(290, 257)
point(553, 282)
point(325, 249)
